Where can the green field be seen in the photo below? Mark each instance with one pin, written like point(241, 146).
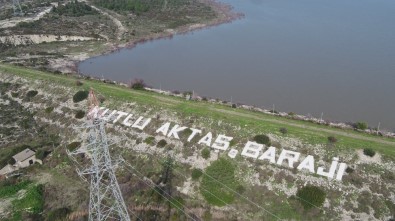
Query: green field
point(308, 132)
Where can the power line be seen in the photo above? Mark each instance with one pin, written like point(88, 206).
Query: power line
point(151, 184)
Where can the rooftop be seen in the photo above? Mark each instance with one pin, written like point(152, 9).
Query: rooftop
point(23, 155)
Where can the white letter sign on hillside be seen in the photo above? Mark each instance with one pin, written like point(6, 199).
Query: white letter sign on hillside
point(288, 158)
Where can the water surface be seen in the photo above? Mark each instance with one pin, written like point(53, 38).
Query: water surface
point(305, 56)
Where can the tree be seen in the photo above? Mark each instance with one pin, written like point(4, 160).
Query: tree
point(137, 84)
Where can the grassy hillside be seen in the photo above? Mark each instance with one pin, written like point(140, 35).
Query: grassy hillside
point(255, 190)
point(259, 122)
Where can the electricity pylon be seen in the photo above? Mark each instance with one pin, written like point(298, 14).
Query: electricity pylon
point(17, 8)
point(105, 200)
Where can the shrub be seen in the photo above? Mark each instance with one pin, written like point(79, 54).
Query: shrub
point(219, 174)
point(332, 139)
point(284, 130)
point(206, 153)
point(80, 114)
point(162, 143)
point(196, 174)
point(14, 94)
point(262, 139)
point(49, 110)
point(41, 154)
point(361, 126)
point(187, 132)
point(234, 105)
point(80, 96)
point(74, 145)
point(31, 94)
point(240, 189)
point(349, 170)
point(369, 152)
point(149, 140)
point(311, 196)
point(137, 84)
point(291, 114)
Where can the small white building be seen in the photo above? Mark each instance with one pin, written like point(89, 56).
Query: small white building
point(22, 159)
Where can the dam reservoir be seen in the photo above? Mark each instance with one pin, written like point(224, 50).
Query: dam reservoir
point(306, 56)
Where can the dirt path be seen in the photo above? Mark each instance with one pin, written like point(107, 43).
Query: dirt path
point(121, 29)
point(337, 132)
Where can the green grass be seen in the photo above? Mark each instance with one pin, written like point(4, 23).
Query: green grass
point(220, 171)
point(260, 123)
point(8, 190)
point(32, 202)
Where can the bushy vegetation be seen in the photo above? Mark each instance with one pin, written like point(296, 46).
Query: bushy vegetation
point(311, 196)
point(149, 140)
point(332, 139)
point(137, 84)
point(74, 9)
point(80, 96)
point(137, 6)
point(58, 214)
point(196, 173)
point(11, 187)
point(31, 94)
point(369, 152)
point(162, 143)
point(73, 146)
point(206, 153)
point(220, 171)
point(361, 125)
point(262, 139)
point(49, 110)
point(32, 202)
point(284, 130)
point(80, 114)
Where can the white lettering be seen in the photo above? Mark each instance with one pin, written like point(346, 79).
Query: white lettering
point(252, 149)
point(340, 172)
point(222, 142)
point(139, 124)
point(194, 132)
point(174, 131)
point(307, 163)
point(332, 169)
point(120, 114)
point(289, 155)
point(126, 121)
point(163, 129)
point(269, 154)
point(206, 139)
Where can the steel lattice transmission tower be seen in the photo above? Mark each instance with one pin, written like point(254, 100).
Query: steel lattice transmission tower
point(105, 201)
point(17, 8)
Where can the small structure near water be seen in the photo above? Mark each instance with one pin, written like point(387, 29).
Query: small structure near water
point(22, 159)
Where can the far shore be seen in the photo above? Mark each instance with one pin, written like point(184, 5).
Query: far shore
point(225, 14)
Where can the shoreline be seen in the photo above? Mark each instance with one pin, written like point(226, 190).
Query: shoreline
point(224, 12)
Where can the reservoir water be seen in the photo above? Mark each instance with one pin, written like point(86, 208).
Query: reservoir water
point(305, 56)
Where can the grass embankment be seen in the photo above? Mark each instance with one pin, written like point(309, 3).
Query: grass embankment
point(259, 122)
